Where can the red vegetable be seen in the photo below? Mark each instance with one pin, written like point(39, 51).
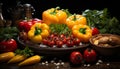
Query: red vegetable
point(8, 45)
point(90, 55)
point(25, 25)
point(76, 57)
point(70, 43)
point(95, 31)
point(59, 43)
point(76, 41)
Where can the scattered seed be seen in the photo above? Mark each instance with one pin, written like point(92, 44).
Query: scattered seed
point(57, 67)
point(62, 63)
point(97, 63)
point(88, 65)
point(100, 61)
point(46, 62)
point(43, 63)
point(85, 65)
point(108, 64)
point(57, 64)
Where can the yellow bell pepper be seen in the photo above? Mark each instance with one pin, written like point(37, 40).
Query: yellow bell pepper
point(38, 31)
point(83, 32)
point(75, 19)
point(54, 15)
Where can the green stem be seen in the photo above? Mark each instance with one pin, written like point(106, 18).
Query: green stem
point(74, 19)
point(82, 30)
point(37, 30)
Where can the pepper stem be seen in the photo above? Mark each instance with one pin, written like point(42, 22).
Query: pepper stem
point(75, 18)
point(37, 30)
point(54, 11)
point(82, 30)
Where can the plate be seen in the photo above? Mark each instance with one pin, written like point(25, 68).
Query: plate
point(51, 51)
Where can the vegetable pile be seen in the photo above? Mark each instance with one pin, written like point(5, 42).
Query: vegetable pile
point(102, 20)
point(59, 21)
point(59, 28)
point(8, 37)
point(22, 57)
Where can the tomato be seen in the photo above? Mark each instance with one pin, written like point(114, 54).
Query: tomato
point(95, 31)
point(76, 57)
point(23, 35)
point(89, 55)
point(70, 43)
point(51, 43)
point(76, 41)
point(8, 45)
point(62, 36)
point(45, 41)
point(64, 40)
point(59, 43)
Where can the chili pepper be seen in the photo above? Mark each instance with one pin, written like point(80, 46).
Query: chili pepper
point(31, 60)
point(38, 31)
point(54, 15)
point(75, 19)
point(83, 32)
point(6, 56)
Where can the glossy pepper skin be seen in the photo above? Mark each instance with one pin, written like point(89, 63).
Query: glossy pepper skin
point(83, 32)
point(38, 31)
point(75, 20)
point(54, 15)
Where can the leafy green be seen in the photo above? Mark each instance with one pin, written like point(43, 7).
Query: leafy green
point(8, 32)
point(60, 29)
point(26, 51)
point(102, 20)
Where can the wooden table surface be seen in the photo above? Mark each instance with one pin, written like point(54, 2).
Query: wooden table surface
point(63, 63)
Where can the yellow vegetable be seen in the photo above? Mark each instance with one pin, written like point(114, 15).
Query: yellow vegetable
point(31, 60)
point(38, 31)
point(83, 32)
point(54, 15)
point(75, 20)
point(17, 58)
point(6, 56)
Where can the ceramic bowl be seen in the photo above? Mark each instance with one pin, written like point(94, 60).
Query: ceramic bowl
point(51, 51)
point(106, 44)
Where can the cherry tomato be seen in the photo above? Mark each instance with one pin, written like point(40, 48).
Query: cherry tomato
point(62, 36)
point(45, 41)
point(70, 43)
point(23, 35)
point(51, 43)
point(64, 40)
point(90, 55)
point(59, 43)
point(76, 57)
point(95, 31)
point(76, 41)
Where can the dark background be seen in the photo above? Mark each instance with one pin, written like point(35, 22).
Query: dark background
point(74, 6)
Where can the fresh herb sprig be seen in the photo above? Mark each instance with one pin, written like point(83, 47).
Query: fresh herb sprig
point(26, 52)
point(8, 32)
point(102, 20)
point(60, 29)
